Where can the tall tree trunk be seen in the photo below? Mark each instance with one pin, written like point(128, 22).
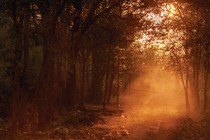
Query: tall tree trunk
point(118, 84)
point(194, 80)
point(197, 96)
point(206, 77)
point(46, 85)
point(98, 74)
point(16, 89)
point(187, 84)
point(106, 84)
point(45, 88)
point(82, 82)
point(110, 88)
point(184, 82)
point(25, 46)
point(69, 97)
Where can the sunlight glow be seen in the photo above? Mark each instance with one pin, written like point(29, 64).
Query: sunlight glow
point(157, 96)
point(159, 35)
point(172, 10)
point(168, 10)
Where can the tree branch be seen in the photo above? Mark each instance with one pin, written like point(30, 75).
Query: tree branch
point(185, 22)
point(93, 19)
point(90, 16)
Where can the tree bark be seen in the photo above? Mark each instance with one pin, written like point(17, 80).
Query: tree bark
point(106, 84)
point(206, 77)
point(187, 89)
point(110, 88)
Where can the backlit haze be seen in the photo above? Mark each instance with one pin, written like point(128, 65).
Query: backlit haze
point(157, 95)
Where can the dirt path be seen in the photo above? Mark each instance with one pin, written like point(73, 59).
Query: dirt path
point(153, 129)
point(149, 117)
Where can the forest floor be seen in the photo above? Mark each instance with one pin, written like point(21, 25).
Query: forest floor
point(132, 122)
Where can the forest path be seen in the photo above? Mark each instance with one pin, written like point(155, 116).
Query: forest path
point(150, 128)
point(149, 116)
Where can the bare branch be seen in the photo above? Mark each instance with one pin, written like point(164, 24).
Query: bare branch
point(90, 15)
point(107, 10)
point(185, 22)
point(92, 19)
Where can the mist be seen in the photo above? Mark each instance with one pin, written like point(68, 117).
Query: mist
point(155, 95)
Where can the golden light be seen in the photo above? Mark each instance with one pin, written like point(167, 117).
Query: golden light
point(168, 10)
point(157, 95)
point(172, 10)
